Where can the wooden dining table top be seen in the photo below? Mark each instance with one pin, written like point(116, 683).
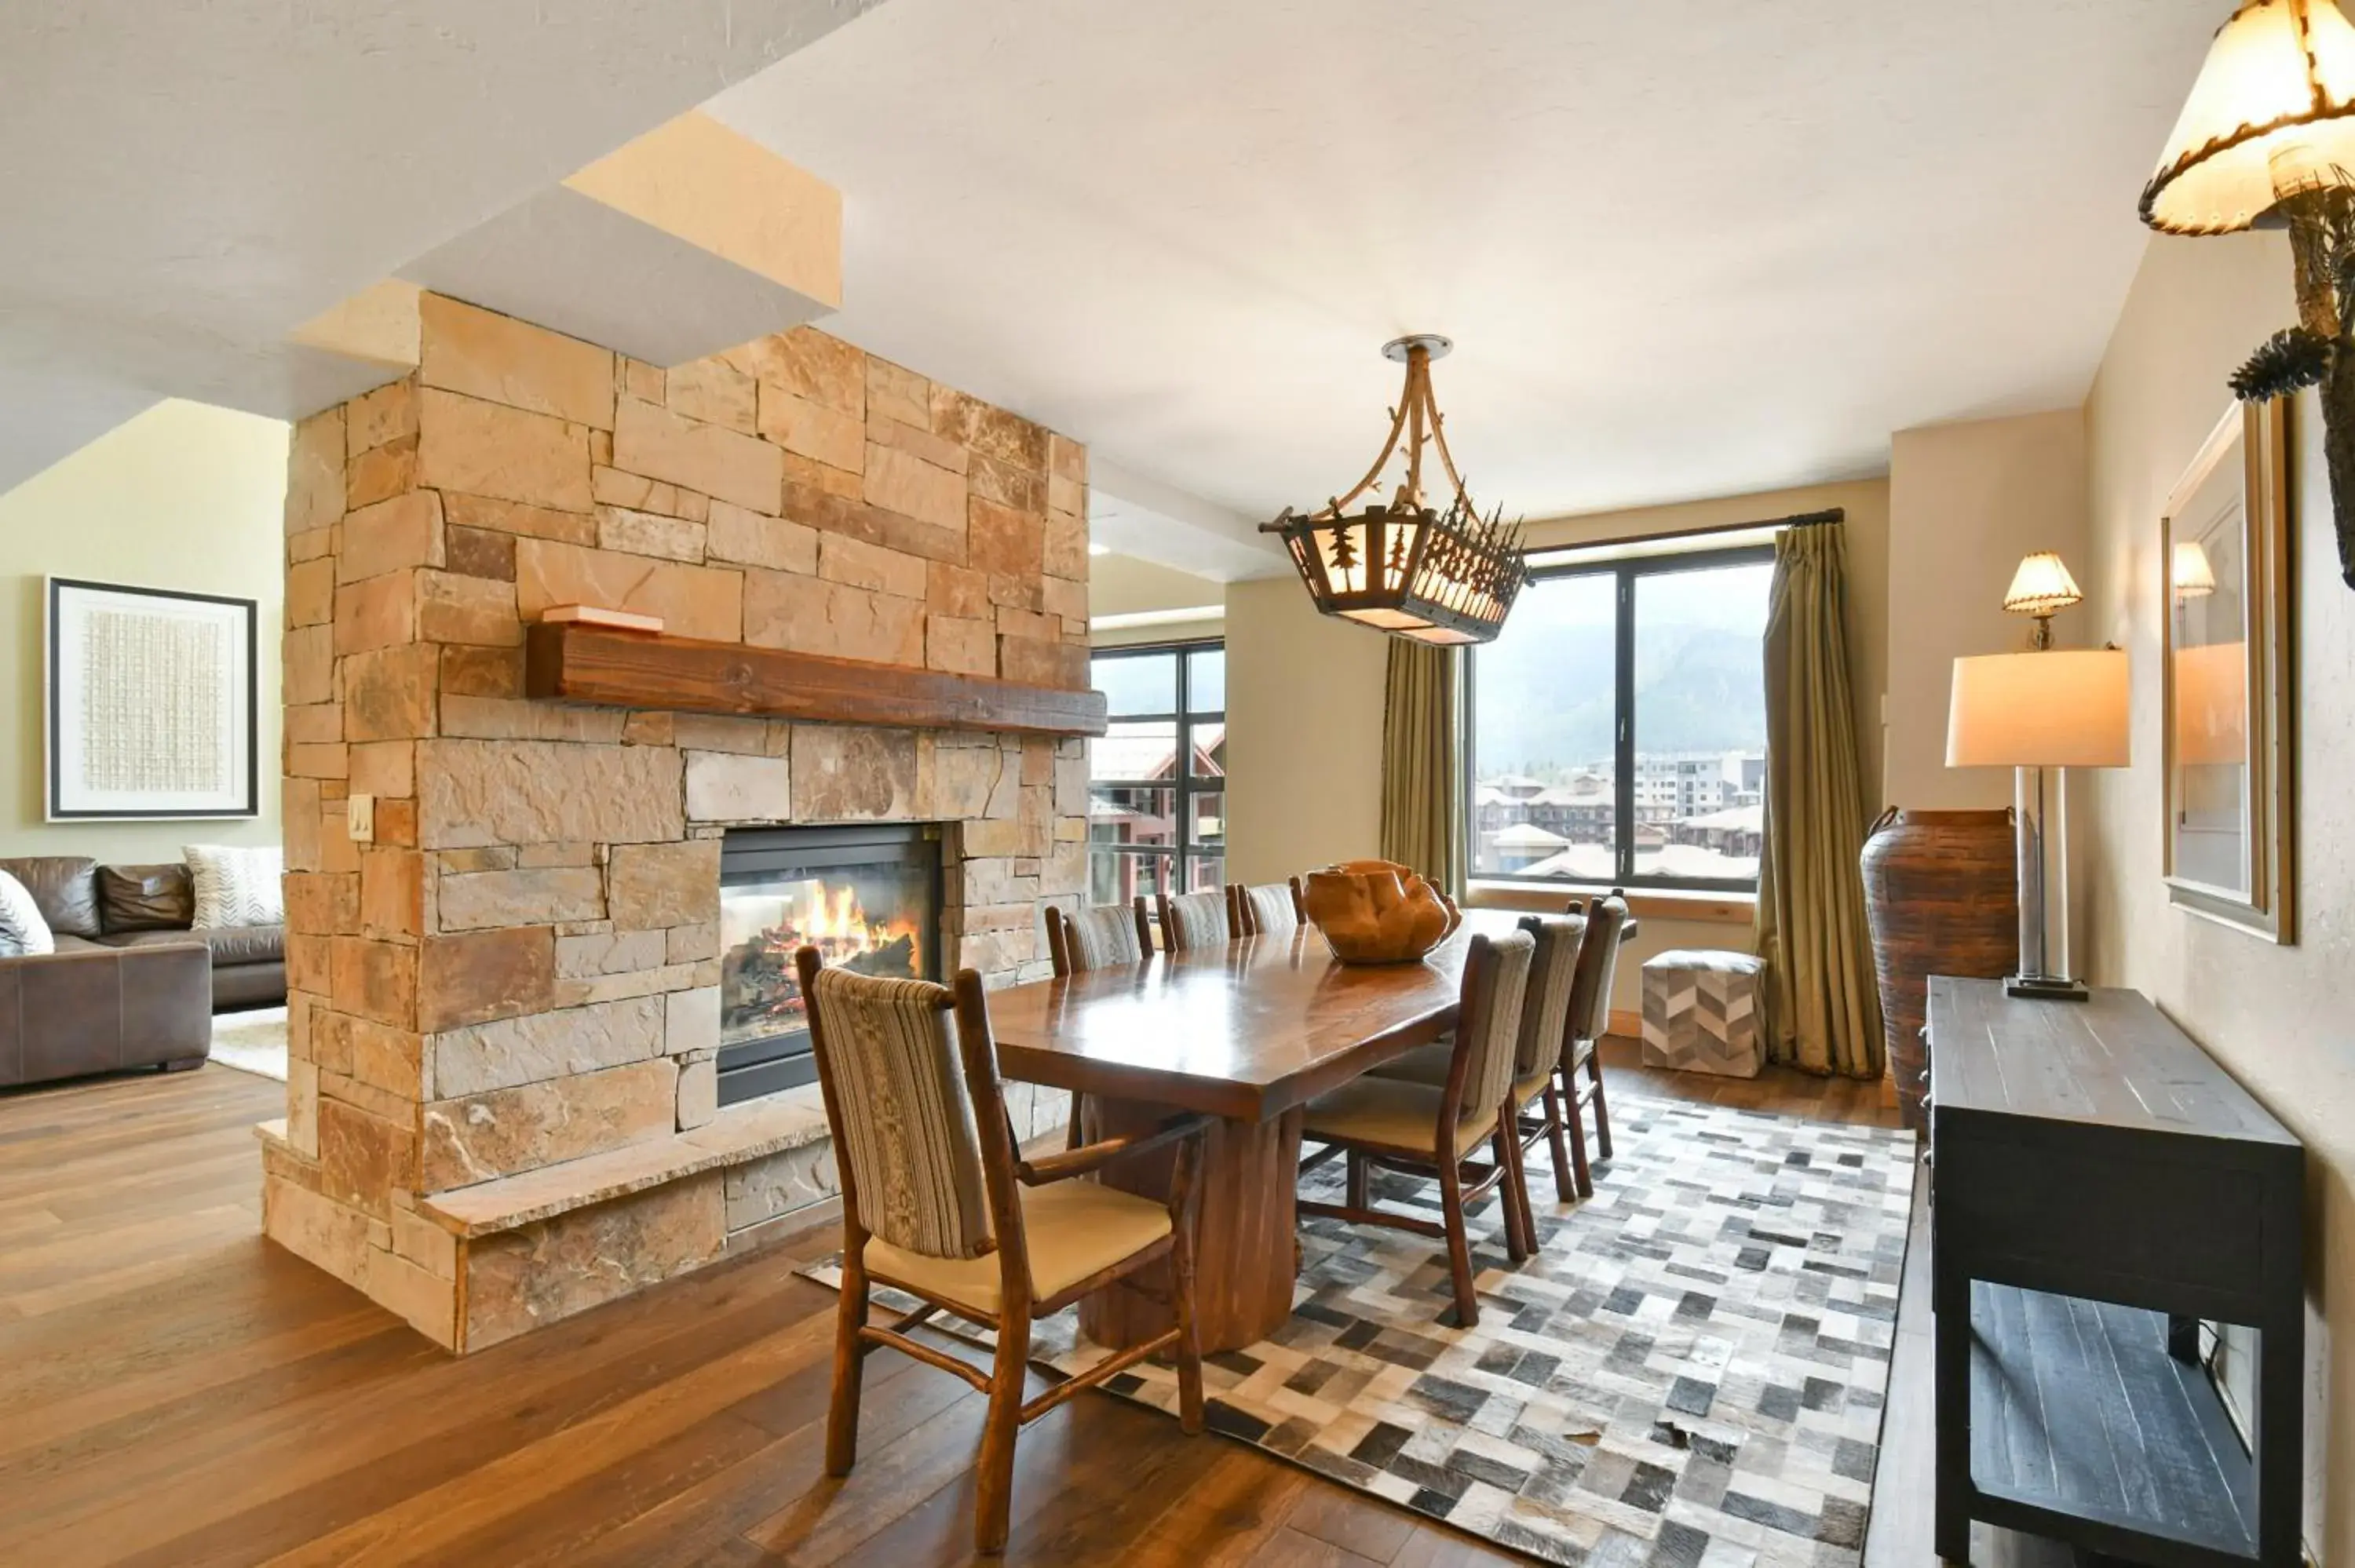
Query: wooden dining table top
point(1247, 1030)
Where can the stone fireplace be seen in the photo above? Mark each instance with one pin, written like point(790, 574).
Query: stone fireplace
point(867, 897)
point(508, 945)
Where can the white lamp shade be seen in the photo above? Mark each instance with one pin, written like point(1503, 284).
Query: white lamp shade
point(2194, 575)
point(2049, 709)
point(2041, 586)
point(2266, 119)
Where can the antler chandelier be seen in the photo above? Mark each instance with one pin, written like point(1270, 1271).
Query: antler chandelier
point(1444, 576)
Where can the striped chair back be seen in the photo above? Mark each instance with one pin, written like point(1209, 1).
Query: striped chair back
point(1545, 1009)
point(1494, 1036)
point(1598, 961)
point(903, 1119)
point(1194, 920)
point(1097, 937)
point(1267, 910)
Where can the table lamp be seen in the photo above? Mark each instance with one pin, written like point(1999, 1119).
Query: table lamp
point(2046, 708)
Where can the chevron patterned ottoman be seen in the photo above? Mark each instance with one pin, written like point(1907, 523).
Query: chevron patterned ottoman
point(1700, 1012)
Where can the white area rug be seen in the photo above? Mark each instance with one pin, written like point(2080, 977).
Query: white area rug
point(252, 1041)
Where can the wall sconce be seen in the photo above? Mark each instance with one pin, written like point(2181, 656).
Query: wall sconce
point(2267, 140)
point(2041, 587)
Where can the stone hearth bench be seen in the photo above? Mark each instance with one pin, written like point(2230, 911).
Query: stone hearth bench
point(739, 1135)
point(777, 1151)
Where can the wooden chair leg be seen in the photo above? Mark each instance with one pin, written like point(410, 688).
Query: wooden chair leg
point(1359, 1185)
point(994, 1471)
point(1565, 1184)
point(850, 1362)
point(1189, 1340)
point(1575, 1122)
point(1503, 1148)
point(1073, 1134)
point(1517, 1171)
point(1459, 1250)
point(1602, 1108)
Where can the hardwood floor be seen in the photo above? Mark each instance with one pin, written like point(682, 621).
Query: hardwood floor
point(179, 1392)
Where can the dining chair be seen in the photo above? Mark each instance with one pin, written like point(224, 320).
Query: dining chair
point(1098, 937)
point(1432, 1131)
point(1537, 1051)
point(1270, 909)
point(937, 1202)
point(1590, 1017)
point(1194, 920)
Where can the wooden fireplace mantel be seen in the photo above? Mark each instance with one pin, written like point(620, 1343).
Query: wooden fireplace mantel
point(632, 669)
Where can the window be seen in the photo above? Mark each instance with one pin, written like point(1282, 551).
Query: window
point(1156, 781)
point(1618, 725)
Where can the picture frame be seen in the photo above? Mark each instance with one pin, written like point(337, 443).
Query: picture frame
point(151, 698)
point(2228, 703)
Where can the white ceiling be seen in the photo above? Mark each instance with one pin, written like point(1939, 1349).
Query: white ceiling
point(182, 182)
point(1686, 247)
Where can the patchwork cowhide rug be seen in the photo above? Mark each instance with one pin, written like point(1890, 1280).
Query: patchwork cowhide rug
point(1688, 1374)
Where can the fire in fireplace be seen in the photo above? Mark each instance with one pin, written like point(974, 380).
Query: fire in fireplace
point(867, 897)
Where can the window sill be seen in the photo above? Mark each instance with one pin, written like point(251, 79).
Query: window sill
point(1643, 903)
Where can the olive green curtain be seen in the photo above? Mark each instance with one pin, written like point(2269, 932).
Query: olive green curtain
point(1822, 1009)
point(1422, 763)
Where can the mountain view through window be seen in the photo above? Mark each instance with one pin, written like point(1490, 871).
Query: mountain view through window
point(1548, 798)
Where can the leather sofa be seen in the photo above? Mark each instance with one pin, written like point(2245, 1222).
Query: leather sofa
point(92, 1009)
point(119, 908)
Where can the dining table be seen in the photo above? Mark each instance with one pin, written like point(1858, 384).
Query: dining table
point(1247, 1033)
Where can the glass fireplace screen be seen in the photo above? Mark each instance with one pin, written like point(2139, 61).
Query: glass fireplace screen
point(867, 898)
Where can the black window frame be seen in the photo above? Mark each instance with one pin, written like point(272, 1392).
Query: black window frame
point(1626, 571)
point(1183, 783)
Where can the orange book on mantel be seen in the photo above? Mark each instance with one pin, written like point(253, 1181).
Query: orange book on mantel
point(592, 615)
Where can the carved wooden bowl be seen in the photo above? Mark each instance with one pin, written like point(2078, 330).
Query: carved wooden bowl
point(1376, 912)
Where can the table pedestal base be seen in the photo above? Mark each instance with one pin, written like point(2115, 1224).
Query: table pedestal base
point(1246, 1250)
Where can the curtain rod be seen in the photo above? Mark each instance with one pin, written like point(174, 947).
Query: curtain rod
point(1830, 515)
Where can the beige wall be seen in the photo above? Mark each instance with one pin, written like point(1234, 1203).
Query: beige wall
point(1966, 502)
point(1304, 734)
point(2275, 1016)
point(183, 496)
point(1122, 585)
point(1304, 701)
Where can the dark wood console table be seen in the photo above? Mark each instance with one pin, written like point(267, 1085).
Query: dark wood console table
point(2094, 1174)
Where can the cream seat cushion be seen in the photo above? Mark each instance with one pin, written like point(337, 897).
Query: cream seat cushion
point(1074, 1228)
point(1390, 1111)
point(1427, 1065)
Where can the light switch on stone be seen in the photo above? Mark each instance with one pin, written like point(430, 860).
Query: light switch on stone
point(360, 818)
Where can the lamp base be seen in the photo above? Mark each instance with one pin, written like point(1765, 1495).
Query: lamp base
point(2045, 988)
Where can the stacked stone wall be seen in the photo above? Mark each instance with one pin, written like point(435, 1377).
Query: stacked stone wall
point(519, 967)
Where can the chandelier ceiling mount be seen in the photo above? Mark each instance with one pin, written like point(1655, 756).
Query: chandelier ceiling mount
point(1441, 575)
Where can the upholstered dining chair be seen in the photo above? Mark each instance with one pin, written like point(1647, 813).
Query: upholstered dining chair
point(1270, 909)
point(1103, 937)
point(1194, 920)
point(1432, 1130)
point(937, 1202)
point(1097, 937)
point(1590, 1020)
point(1538, 1050)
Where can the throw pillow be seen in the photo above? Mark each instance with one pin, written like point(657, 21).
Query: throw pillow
point(23, 932)
point(237, 887)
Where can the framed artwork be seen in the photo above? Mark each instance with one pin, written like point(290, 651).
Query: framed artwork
point(151, 699)
point(2229, 701)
